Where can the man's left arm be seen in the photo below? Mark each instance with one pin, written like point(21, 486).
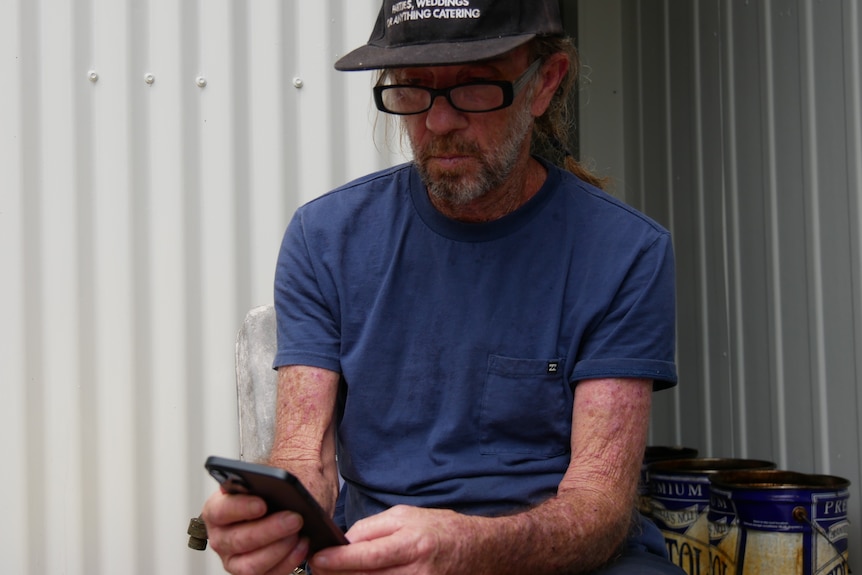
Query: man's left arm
point(586, 523)
point(579, 529)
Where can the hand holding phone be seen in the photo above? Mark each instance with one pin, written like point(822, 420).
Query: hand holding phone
point(281, 491)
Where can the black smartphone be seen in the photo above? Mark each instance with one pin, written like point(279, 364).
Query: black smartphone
point(281, 491)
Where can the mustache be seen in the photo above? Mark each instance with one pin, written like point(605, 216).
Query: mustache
point(447, 146)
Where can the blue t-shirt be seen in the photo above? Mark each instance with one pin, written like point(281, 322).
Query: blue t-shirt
point(459, 344)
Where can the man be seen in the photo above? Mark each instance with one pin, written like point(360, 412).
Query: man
point(477, 333)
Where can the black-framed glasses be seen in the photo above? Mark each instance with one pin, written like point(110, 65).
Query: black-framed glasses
point(473, 97)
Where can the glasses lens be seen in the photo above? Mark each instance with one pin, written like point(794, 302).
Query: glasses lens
point(405, 100)
point(472, 97)
point(476, 97)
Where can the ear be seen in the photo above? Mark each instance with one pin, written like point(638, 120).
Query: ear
point(551, 75)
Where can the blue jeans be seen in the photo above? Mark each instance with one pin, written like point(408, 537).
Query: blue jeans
point(640, 562)
point(645, 554)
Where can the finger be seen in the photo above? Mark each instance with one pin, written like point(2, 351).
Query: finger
point(224, 509)
point(370, 528)
point(277, 558)
point(248, 536)
point(293, 559)
point(367, 556)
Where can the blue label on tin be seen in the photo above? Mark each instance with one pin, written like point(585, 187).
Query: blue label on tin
point(678, 502)
point(785, 511)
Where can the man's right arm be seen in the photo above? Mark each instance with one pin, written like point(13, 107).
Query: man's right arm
point(304, 444)
point(304, 441)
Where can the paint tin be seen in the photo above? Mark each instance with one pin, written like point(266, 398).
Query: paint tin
point(771, 521)
point(652, 454)
point(723, 532)
point(679, 490)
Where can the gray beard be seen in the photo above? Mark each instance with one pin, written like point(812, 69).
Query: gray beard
point(455, 188)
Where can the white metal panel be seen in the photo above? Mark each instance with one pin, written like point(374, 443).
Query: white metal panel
point(164, 399)
point(111, 455)
point(151, 155)
point(14, 532)
point(58, 290)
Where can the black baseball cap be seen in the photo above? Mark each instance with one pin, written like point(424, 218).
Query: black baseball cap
point(442, 32)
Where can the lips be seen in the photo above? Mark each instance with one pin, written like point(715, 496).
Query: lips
point(450, 161)
point(448, 157)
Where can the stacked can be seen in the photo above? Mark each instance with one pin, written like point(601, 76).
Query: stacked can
point(770, 521)
point(680, 497)
point(652, 454)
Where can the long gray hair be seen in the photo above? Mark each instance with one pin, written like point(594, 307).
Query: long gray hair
point(551, 130)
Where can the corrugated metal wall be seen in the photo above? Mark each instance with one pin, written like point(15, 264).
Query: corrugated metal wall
point(742, 132)
point(151, 153)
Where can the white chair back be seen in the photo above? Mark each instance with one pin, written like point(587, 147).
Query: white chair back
point(256, 383)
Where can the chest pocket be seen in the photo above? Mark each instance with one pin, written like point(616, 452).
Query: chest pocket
point(526, 407)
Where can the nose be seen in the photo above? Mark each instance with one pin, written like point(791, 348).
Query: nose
point(442, 118)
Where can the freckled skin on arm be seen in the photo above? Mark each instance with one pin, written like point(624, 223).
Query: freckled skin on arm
point(304, 442)
point(247, 541)
point(588, 520)
point(576, 531)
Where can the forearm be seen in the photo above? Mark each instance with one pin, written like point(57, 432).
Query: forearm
point(584, 525)
point(304, 441)
point(574, 532)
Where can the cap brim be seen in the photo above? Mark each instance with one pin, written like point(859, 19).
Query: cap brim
point(370, 57)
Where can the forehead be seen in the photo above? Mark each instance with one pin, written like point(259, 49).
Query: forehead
point(501, 66)
point(444, 73)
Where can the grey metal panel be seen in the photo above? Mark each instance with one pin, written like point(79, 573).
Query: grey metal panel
point(742, 130)
point(599, 132)
point(748, 249)
point(711, 280)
